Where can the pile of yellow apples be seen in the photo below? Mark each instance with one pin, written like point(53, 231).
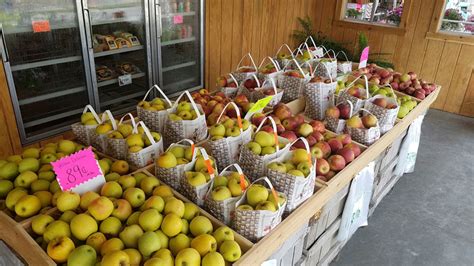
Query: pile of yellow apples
point(135, 141)
point(176, 155)
point(260, 198)
point(263, 143)
point(157, 104)
point(297, 165)
point(227, 186)
point(200, 175)
point(227, 128)
point(132, 221)
point(27, 181)
point(184, 111)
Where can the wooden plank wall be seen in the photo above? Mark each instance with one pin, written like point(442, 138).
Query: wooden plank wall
point(236, 27)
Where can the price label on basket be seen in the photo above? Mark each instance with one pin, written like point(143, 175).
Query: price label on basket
point(79, 172)
point(259, 106)
point(125, 79)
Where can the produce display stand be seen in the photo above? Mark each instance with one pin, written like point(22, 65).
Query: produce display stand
point(267, 246)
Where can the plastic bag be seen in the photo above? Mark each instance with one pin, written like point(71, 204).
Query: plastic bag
point(409, 148)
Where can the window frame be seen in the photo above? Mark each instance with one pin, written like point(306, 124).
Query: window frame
point(341, 21)
point(435, 32)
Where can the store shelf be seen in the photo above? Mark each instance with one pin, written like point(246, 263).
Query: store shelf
point(177, 83)
point(116, 20)
point(46, 63)
point(52, 118)
point(51, 95)
point(29, 28)
point(178, 66)
point(192, 39)
point(184, 14)
point(113, 81)
point(119, 51)
point(123, 98)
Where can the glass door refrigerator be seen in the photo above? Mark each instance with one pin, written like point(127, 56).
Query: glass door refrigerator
point(118, 41)
point(177, 27)
point(45, 64)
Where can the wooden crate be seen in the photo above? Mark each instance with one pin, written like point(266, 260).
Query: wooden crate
point(392, 151)
point(329, 213)
point(325, 245)
point(291, 252)
point(387, 181)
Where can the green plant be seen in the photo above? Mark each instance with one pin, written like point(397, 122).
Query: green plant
point(353, 13)
point(452, 14)
point(376, 58)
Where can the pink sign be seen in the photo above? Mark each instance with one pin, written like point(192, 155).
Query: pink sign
point(364, 56)
point(41, 26)
point(178, 19)
point(76, 169)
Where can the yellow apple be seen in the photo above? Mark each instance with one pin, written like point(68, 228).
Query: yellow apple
point(191, 210)
point(56, 229)
point(66, 146)
point(112, 177)
point(54, 187)
point(135, 140)
point(149, 183)
point(103, 128)
point(68, 200)
point(127, 181)
point(40, 222)
point(153, 202)
point(39, 185)
point(115, 258)
point(67, 216)
point(13, 196)
point(223, 233)
point(179, 242)
point(101, 208)
point(25, 179)
point(8, 170)
point(266, 205)
point(96, 240)
point(166, 160)
point(31, 153)
point(130, 235)
point(83, 255)
point(86, 117)
point(163, 238)
point(134, 255)
point(185, 228)
point(230, 250)
point(135, 196)
point(120, 166)
point(200, 225)
point(125, 129)
point(150, 220)
point(111, 189)
point(188, 257)
point(27, 206)
point(171, 225)
point(221, 193)
point(165, 255)
point(148, 243)
point(256, 193)
point(175, 206)
point(122, 209)
point(104, 166)
point(204, 244)
point(111, 245)
point(5, 187)
point(87, 198)
point(213, 259)
point(110, 226)
point(195, 179)
point(28, 164)
point(60, 248)
point(139, 176)
point(163, 191)
point(133, 218)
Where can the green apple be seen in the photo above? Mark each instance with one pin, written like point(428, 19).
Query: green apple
point(28, 164)
point(13, 196)
point(254, 147)
point(84, 255)
point(230, 250)
point(40, 222)
point(179, 242)
point(112, 176)
point(104, 166)
point(82, 226)
point(277, 166)
point(8, 170)
point(135, 196)
point(232, 131)
point(245, 207)
point(133, 218)
point(195, 179)
point(31, 153)
point(66, 146)
point(219, 181)
point(111, 226)
point(264, 139)
point(289, 166)
point(67, 216)
point(304, 167)
point(149, 183)
point(256, 193)
point(148, 243)
point(268, 150)
point(177, 151)
point(14, 158)
point(280, 197)
point(187, 257)
point(223, 233)
point(266, 205)
point(217, 130)
point(122, 209)
point(296, 173)
point(200, 225)
point(130, 235)
point(235, 187)
point(183, 106)
point(221, 193)
point(139, 176)
point(5, 187)
point(47, 175)
point(150, 220)
point(163, 238)
point(25, 179)
point(245, 124)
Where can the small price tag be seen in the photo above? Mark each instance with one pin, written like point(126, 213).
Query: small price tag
point(178, 19)
point(364, 56)
point(79, 172)
point(125, 80)
point(41, 26)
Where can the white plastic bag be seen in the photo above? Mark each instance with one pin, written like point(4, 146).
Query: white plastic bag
point(409, 148)
point(356, 209)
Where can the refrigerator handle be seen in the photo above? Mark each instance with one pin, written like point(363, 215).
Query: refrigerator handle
point(158, 15)
point(3, 46)
point(89, 26)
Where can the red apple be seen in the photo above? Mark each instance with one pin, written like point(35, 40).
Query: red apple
point(369, 121)
point(318, 126)
point(318, 136)
point(316, 152)
point(322, 167)
point(280, 128)
point(267, 128)
point(290, 123)
point(299, 119)
point(333, 112)
point(336, 162)
point(344, 138)
point(335, 145)
point(420, 94)
point(382, 102)
point(330, 175)
point(290, 135)
point(325, 148)
point(322, 178)
point(347, 153)
point(344, 110)
point(282, 112)
point(311, 140)
point(354, 147)
point(257, 119)
point(241, 99)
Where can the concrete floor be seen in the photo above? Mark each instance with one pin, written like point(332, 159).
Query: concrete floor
point(428, 217)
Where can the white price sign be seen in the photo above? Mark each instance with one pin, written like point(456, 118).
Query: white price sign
point(125, 80)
